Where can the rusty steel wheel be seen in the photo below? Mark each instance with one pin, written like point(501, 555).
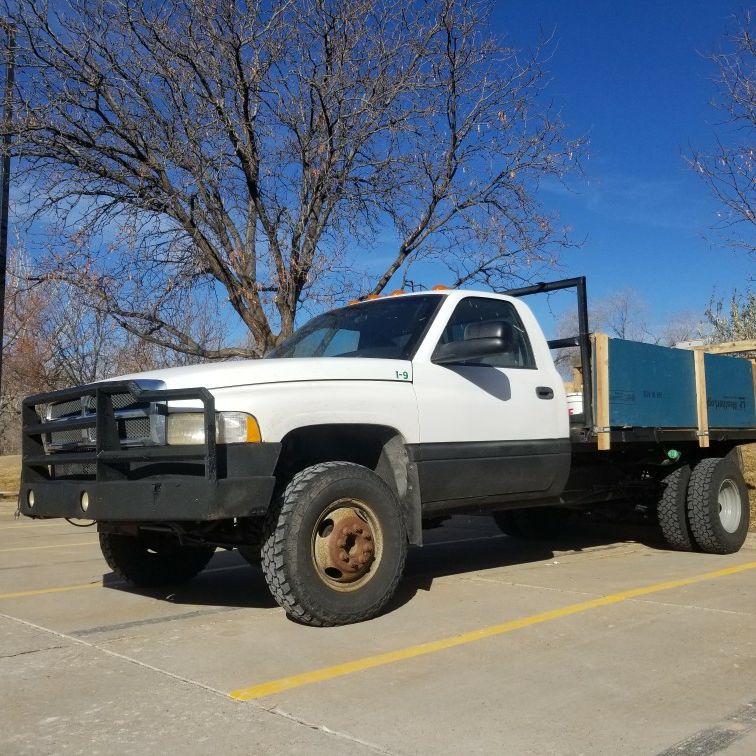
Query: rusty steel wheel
point(334, 545)
point(347, 544)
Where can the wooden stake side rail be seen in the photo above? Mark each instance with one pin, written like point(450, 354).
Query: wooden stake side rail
point(602, 404)
point(728, 347)
point(702, 407)
point(601, 368)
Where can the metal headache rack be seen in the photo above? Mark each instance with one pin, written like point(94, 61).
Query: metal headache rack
point(581, 340)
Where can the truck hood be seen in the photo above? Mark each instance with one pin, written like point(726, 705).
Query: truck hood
point(251, 372)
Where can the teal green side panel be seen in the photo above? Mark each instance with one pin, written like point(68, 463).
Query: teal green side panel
point(651, 386)
point(729, 392)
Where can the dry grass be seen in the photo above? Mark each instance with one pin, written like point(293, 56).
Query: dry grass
point(749, 470)
point(10, 474)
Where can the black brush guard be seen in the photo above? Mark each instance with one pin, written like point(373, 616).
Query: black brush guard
point(194, 483)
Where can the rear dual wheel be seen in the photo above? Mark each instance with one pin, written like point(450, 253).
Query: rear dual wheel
point(718, 508)
point(334, 545)
point(672, 509)
point(705, 508)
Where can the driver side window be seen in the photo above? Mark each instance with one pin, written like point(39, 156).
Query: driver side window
point(482, 310)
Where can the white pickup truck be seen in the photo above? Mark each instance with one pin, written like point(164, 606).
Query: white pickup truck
point(328, 455)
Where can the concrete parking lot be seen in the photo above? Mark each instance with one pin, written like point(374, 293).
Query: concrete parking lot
point(599, 645)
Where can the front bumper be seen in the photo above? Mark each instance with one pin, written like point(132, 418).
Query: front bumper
point(167, 500)
point(112, 483)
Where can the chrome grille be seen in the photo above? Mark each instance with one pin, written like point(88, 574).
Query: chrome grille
point(75, 471)
point(65, 409)
point(65, 438)
point(135, 427)
point(138, 423)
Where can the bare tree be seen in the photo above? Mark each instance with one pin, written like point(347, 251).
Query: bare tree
point(686, 325)
point(53, 340)
point(730, 170)
point(24, 349)
point(624, 314)
point(239, 154)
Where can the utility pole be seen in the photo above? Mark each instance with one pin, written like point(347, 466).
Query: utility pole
point(10, 51)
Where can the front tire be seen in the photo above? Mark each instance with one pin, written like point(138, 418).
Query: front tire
point(153, 559)
point(334, 545)
point(718, 507)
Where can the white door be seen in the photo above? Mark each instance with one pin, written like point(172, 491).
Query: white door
point(489, 426)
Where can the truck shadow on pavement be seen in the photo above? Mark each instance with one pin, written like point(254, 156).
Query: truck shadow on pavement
point(230, 582)
point(470, 555)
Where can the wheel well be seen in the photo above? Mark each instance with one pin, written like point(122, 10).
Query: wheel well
point(377, 447)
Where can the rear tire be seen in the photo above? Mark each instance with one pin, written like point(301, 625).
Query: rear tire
point(535, 524)
point(151, 560)
point(672, 509)
point(334, 545)
point(718, 507)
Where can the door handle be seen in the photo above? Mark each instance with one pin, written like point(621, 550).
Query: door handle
point(544, 392)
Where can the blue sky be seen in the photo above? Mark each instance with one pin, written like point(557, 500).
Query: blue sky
point(632, 77)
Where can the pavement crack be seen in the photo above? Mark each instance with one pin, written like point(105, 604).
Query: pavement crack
point(273, 711)
point(114, 654)
point(326, 730)
point(718, 738)
point(31, 651)
point(691, 606)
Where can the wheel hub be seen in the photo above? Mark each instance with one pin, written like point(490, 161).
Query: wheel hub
point(730, 506)
point(344, 547)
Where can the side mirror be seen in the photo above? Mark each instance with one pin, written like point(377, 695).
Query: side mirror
point(480, 340)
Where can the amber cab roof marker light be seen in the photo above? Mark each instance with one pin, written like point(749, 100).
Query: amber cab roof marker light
point(441, 287)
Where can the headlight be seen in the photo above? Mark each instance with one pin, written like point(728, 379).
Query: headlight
point(186, 428)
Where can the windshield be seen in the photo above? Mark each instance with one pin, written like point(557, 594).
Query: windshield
point(387, 328)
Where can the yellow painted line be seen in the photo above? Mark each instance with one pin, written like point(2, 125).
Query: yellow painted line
point(40, 591)
point(53, 546)
point(369, 662)
point(113, 584)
